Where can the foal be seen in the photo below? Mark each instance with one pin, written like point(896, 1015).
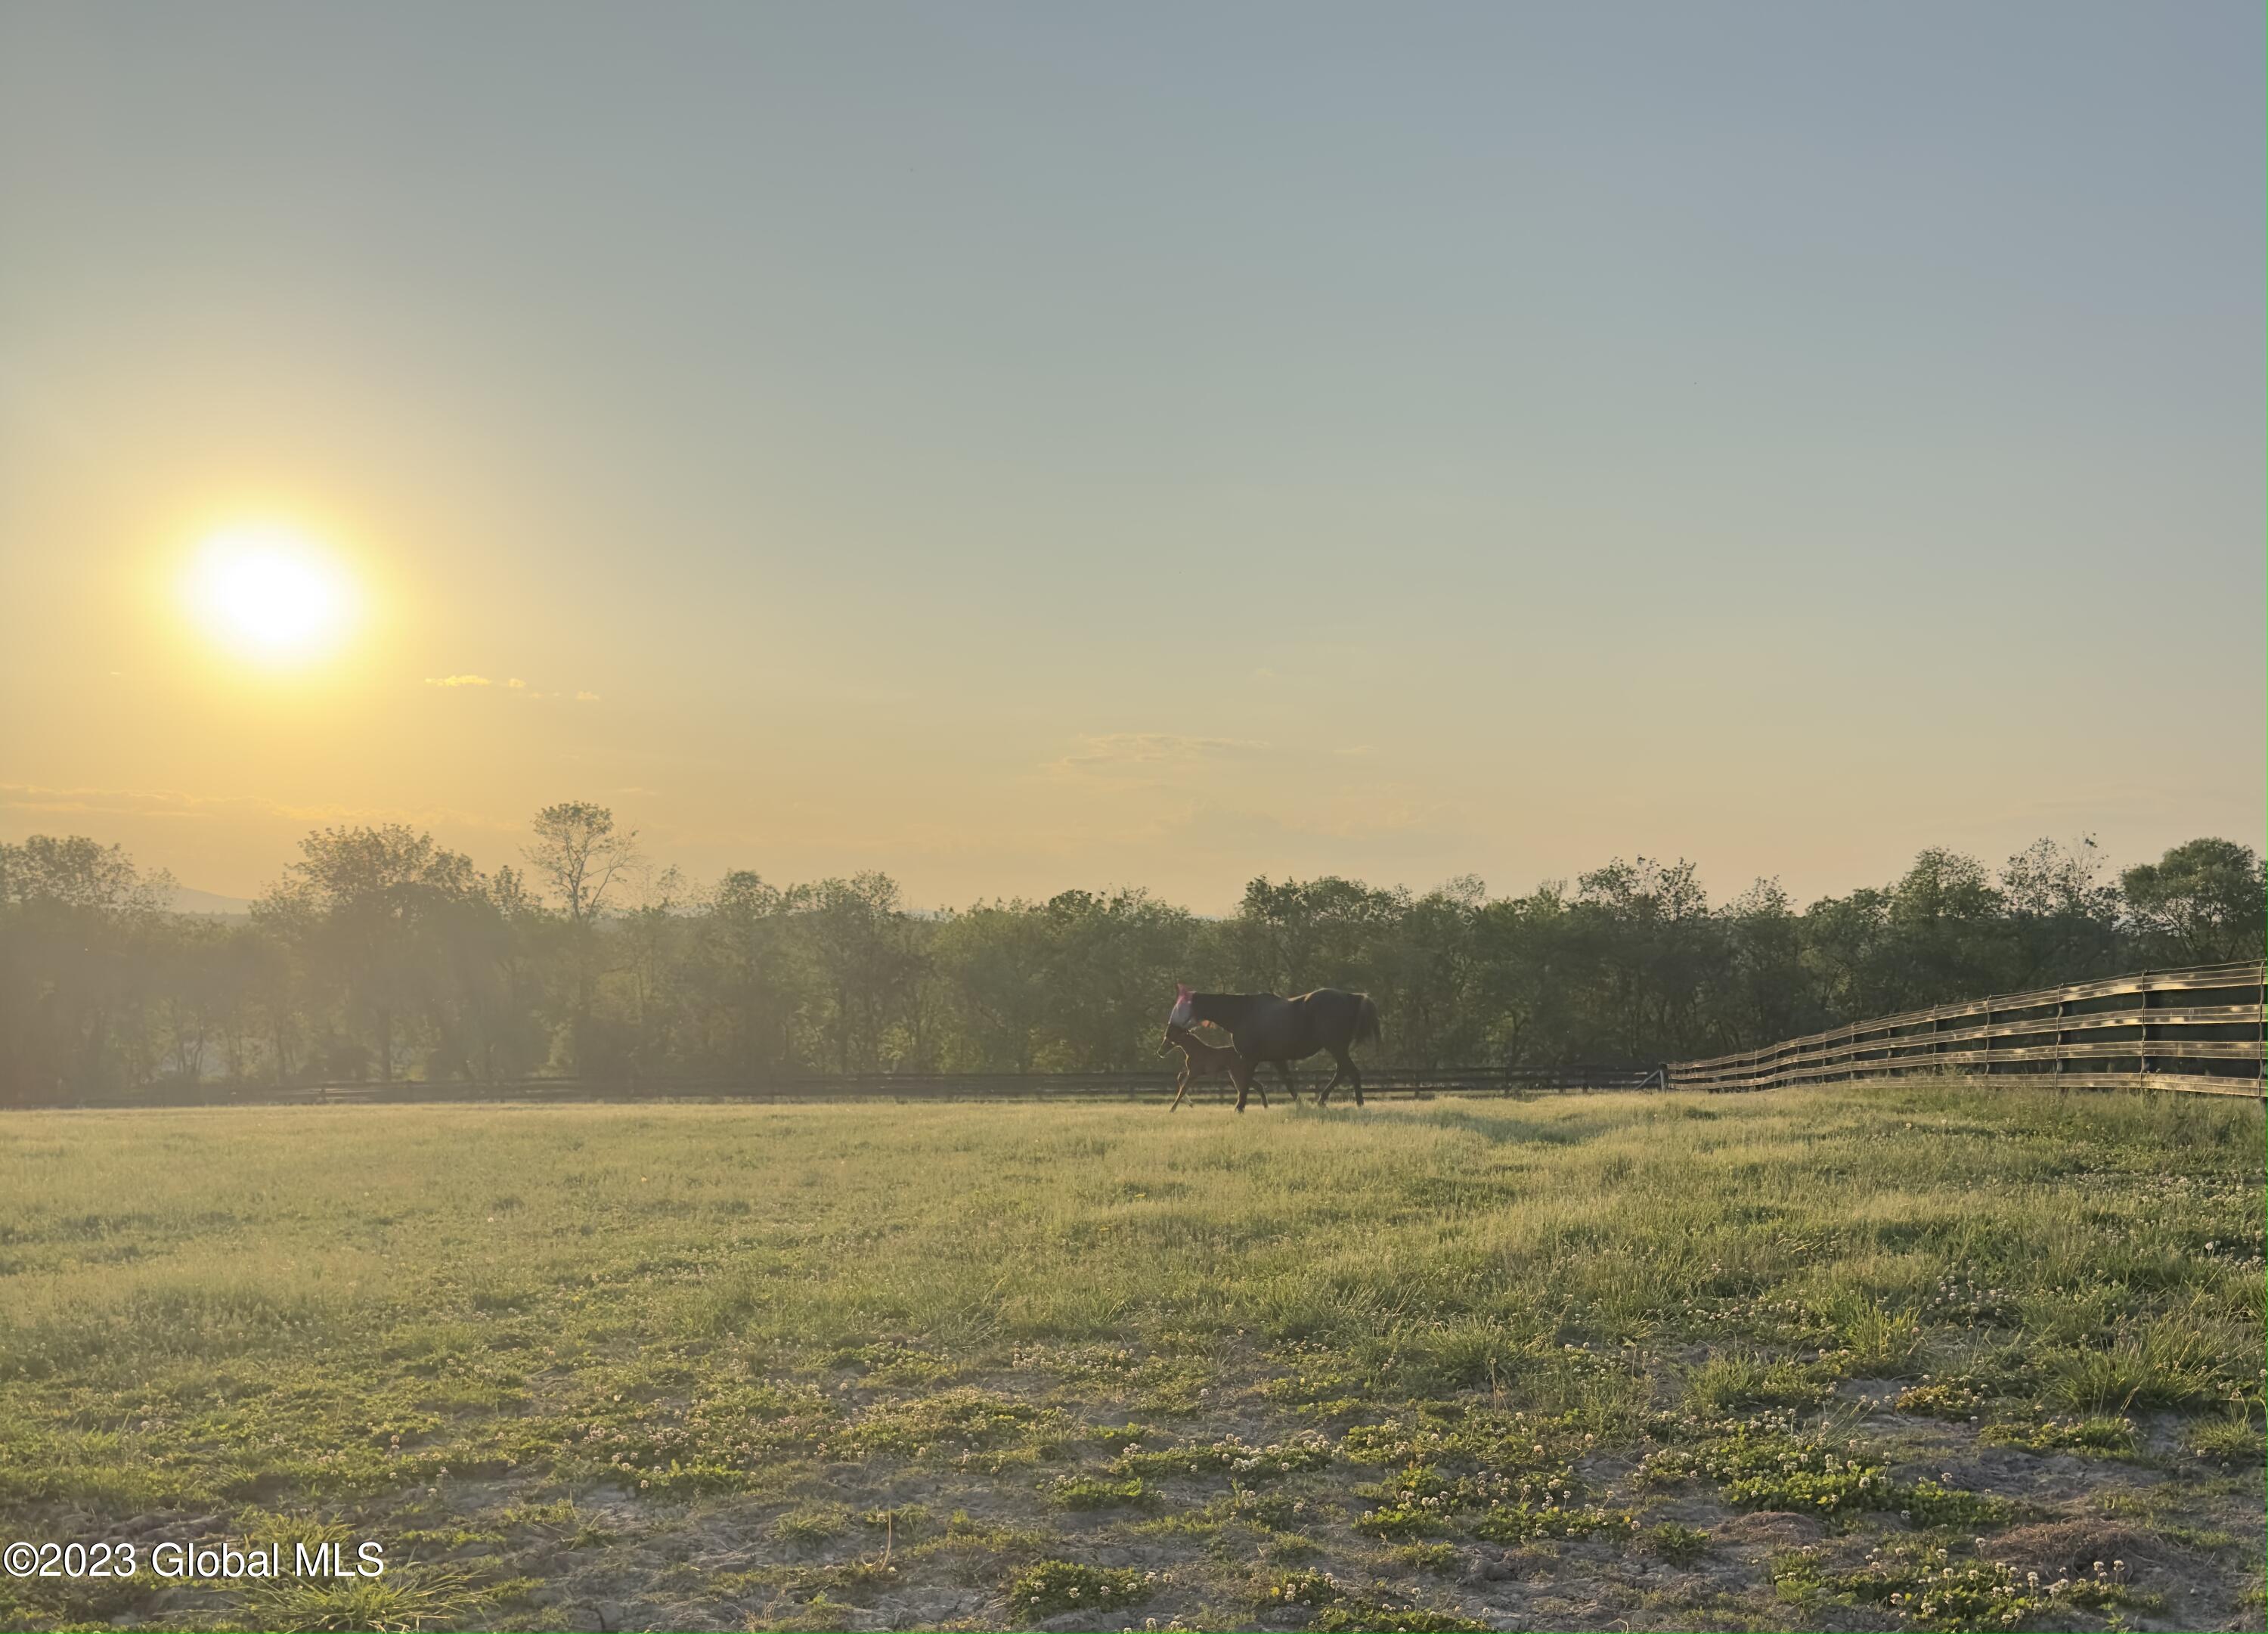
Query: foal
point(1200, 1059)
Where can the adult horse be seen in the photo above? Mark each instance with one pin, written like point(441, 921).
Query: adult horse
point(1267, 1027)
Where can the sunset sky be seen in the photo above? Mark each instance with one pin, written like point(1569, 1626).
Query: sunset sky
point(1020, 447)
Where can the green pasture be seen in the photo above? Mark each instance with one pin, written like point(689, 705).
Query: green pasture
point(1897, 1356)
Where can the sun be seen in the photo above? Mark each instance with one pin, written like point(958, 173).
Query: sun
point(270, 593)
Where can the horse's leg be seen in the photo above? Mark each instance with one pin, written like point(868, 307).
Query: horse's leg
point(1181, 1088)
point(1241, 1074)
point(1353, 1074)
point(1290, 1083)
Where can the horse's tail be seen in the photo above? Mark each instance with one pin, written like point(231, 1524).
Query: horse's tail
point(1366, 1020)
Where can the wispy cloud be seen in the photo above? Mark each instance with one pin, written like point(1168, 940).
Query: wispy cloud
point(514, 685)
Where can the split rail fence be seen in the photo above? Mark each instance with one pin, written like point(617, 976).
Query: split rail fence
point(2198, 1030)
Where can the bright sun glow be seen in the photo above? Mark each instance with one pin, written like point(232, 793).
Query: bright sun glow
point(270, 593)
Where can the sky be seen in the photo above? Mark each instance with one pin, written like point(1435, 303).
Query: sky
point(1021, 447)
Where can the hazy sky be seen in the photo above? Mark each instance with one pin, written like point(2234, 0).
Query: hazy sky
point(1021, 447)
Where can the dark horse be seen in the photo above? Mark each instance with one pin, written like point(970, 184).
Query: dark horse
point(1267, 1027)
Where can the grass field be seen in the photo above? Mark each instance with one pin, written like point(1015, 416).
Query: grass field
point(1896, 1356)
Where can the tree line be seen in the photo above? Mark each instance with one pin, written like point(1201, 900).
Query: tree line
point(380, 955)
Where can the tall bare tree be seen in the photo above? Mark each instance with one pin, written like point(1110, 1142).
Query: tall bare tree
point(581, 856)
point(579, 853)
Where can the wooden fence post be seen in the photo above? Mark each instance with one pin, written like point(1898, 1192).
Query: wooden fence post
point(2149, 1003)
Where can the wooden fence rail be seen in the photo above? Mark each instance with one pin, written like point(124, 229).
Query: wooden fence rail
point(1405, 1082)
point(1387, 1081)
point(2198, 1030)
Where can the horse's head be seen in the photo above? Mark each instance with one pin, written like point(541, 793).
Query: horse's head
point(1184, 1012)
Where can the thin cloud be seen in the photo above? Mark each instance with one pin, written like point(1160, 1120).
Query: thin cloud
point(514, 685)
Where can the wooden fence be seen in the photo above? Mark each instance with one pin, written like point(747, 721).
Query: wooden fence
point(1408, 1083)
point(2199, 1030)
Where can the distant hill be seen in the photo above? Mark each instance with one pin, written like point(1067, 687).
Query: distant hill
point(187, 900)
